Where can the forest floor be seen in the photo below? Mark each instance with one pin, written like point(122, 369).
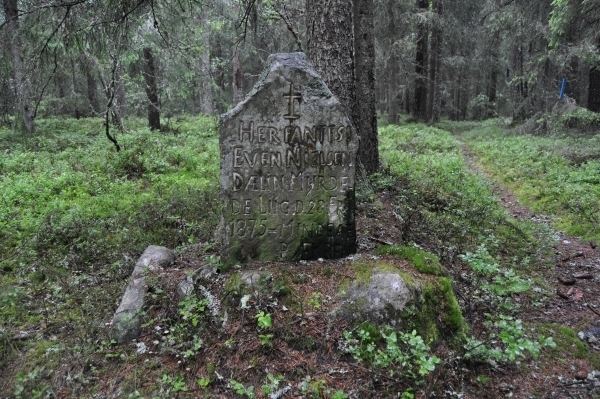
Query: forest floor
point(576, 304)
point(510, 217)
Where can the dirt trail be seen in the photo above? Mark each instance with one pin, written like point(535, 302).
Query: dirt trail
point(576, 302)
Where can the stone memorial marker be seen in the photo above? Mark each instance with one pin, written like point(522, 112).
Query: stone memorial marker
point(288, 156)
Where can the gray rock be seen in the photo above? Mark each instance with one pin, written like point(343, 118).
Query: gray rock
point(185, 287)
point(126, 320)
point(254, 279)
point(154, 257)
point(205, 272)
point(288, 155)
point(591, 335)
point(564, 105)
point(381, 299)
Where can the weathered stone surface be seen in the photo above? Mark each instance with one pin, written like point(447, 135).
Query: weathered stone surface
point(154, 256)
point(126, 320)
point(380, 299)
point(255, 278)
point(188, 284)
point(287, 169)
point(185, 287)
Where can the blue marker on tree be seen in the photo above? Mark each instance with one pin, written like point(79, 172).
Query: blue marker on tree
point(563, 87)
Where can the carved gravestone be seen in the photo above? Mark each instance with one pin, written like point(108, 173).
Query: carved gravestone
point(288, 156)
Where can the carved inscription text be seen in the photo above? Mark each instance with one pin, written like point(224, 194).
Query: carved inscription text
point(287, 175)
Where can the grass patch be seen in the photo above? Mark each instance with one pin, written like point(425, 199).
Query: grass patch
point(557, 175)
point(75, 215)
point(441, 203)
point(567, 341)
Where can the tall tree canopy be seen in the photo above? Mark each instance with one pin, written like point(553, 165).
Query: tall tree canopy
point(429, 58)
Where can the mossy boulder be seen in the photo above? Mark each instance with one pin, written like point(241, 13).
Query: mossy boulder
point(383, 296)
point(384, 293)
point(423, 261)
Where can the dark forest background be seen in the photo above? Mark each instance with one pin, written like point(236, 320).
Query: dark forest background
point(460, 59)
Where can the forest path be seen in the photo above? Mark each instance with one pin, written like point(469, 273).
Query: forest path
point(575, 276)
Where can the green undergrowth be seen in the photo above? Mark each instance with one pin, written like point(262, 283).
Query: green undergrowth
point(440, 202)
point(443, 205)
point(66, 186)
point(579, 118)
point(557, 175)
point(75, 214)
point(399, 353)
point(509, 342)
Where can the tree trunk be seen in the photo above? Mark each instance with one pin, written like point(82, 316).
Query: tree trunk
point(120, 106)
point(61, 80)
point(493, 85)
point(395, 94)
point(205, 97)
point(22, 87)
point(434, 61)
point(594, 90)
point(420, 109)
point(92, 87)
point(76, 108)
point(365, 114)
point(464, 93)
point(149, 73)
point(330, 45)
point(206, 82)
point(237, 84)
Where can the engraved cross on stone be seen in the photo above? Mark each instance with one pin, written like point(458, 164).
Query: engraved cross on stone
point(292, 96)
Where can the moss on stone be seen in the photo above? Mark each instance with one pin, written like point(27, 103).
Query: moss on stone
point(321, 234)
point(363, 270)
point(439, 314)
point(453, 319)
point(313, 244)
point(434, 313)
point(423, 261)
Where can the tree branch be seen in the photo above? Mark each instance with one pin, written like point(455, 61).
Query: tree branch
point(109, 105)
point(41, 96)
point(289, 26)
point(60, 24)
